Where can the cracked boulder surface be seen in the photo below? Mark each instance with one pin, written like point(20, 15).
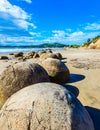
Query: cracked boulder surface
point(57, 70)
point(44, 106)
point(18, 76)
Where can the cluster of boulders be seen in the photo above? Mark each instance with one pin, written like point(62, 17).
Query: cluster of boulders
point(22, 74)
point(34, 102)
point(43, 54)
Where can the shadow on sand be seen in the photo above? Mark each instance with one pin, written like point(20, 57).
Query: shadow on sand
point(72, 89)
point(95, 115)
point(76, 78)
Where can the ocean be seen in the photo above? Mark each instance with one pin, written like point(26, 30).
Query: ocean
point(7, 50)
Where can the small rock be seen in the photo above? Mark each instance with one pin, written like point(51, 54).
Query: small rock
point(36, 55)
point(11, 53)
point(4, 58)
point(31, 53)
point(18, 54)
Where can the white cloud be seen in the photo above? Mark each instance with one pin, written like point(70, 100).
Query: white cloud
point(72, 38)
point(93, 26)
point(6, 39)
point(59, 33)
point(28, 1)
point(76, 34)
point(12, 10)
point(35, 34)
point(77, 37)
point(16, 14)
point(24, 24)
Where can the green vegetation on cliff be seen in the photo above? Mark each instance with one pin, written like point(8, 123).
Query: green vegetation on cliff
point(74, 46)
point(89, 41)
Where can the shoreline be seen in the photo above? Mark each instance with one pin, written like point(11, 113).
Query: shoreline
point(24, 50)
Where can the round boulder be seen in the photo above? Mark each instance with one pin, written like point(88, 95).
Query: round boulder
point(41, 52)
point(57, 70)
point(31, 53)
point(48, 55)
point(18, 76)
point(36, 55)
point(18, 54)
point(44, 106)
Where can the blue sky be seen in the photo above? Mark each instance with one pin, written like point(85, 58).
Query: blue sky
point(39, 21)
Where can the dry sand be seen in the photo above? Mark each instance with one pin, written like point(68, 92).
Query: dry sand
point(84, 66)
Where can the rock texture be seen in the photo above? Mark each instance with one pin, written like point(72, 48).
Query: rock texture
point(44, 106)
point(18, 76)
point(57, 70)
point(48, 55)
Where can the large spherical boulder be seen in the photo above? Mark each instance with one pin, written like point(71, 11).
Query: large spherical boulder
point(48, 55)
point(57, 70)
point(44, 106)
point(18, 76)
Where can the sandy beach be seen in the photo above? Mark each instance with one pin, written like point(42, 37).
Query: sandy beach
point(84, 66)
